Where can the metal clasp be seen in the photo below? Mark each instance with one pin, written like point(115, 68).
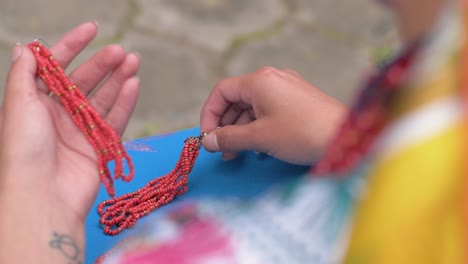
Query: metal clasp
point(43, 42)
point(198, 139)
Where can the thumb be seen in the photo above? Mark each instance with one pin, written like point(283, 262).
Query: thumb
point(21, 78)
point(234, 138)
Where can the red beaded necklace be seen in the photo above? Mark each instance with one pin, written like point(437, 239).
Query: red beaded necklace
point(122, 212)
point(368, 117)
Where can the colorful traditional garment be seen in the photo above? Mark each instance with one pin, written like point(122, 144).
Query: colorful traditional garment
point(412, 211)
point(402, 204)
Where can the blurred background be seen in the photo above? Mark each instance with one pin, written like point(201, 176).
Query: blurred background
point(187, 46)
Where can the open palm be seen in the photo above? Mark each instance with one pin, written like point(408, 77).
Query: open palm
point(42, 146)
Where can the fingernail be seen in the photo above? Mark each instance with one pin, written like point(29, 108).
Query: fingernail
point(224, 157)
point(136, 79)
point(210, 142)
point(95, 23)
point(136, 54)
point(227, 156)
point(17, 52)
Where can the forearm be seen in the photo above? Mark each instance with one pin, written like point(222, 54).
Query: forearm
point(31, 233)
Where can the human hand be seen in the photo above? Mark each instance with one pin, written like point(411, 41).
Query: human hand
point(48, 170)
point(270, 111)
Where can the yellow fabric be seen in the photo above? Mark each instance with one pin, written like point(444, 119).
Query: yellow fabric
point(412, 211)
point(439, 85)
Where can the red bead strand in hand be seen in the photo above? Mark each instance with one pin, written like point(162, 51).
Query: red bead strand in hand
point(102, 137)
point(123, 212)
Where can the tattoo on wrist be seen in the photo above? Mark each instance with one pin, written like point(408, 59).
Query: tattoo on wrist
point(67, 247)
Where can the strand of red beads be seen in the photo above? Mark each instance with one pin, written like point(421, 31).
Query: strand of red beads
point(367, 119)
point(102, 137)
point(123, 212)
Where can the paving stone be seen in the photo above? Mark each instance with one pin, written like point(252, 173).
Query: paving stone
point(330, 65)
point(175, 81)
point(186, 45)
point(24, 20)
point(352, 18)
point(211, 23)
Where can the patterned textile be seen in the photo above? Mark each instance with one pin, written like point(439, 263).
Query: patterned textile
point(300, 222)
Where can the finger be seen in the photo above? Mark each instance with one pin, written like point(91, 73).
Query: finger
point(244, 118)
point(235, 138)
point(103, 99)
point(124, 105)
point(70, 45)
point(225, 93)
point(21, 84)
point(239, 90)
point(292, 72)
point(88, 75)
point(233, 112)
point(226, 156)
point(73, 42)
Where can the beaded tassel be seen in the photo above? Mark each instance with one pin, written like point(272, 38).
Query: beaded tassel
point(123, 212)
point(102, 137)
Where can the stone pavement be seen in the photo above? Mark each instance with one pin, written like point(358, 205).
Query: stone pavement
point(188, 45)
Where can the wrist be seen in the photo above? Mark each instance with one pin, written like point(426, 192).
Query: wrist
point(48, 232)
point(331, 125)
